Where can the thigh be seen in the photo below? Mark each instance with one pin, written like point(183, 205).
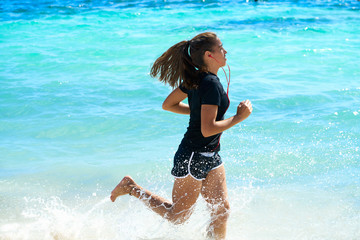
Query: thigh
point(184, 195)
point(214, 189)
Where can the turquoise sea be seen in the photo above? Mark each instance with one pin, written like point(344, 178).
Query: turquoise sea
point(78, 111)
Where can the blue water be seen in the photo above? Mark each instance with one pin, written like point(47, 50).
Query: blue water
point(78, 111)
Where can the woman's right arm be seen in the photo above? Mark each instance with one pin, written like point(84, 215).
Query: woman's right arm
point(173, 102)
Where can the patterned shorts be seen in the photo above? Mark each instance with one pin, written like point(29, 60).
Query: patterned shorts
point(197, 164)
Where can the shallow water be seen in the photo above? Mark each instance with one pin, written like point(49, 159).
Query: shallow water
point(78, 110)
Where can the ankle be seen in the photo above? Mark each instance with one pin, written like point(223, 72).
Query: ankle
point(131, 189)
point(135, 190)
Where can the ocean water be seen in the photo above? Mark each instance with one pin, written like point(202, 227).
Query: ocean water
point(78, 111)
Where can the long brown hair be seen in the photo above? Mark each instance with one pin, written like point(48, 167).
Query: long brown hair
point(182, 63)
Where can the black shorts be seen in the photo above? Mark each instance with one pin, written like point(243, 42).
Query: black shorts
point(197, 164)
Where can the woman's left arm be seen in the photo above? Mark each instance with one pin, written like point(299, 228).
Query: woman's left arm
point(209, 125)
point(173, 102)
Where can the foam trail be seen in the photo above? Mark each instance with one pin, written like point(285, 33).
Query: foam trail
point(87, 214)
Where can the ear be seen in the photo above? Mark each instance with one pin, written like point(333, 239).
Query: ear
point(207, 54)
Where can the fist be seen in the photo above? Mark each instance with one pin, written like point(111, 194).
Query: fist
point(244, 109)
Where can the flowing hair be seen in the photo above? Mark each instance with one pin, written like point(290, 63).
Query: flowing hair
point(182, 63)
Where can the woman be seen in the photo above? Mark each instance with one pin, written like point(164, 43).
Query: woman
point(191, 68)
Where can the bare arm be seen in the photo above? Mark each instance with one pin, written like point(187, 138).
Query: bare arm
point(209, 125)
point(173, 102)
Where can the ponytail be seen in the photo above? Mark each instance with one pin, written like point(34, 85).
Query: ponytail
point(182, 63)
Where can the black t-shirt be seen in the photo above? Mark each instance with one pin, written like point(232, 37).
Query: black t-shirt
point(210, 91)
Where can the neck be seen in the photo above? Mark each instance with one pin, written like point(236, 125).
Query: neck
point(213, 70)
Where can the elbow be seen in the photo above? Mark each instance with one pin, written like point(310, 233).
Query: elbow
point(206, 135)
point(205, 132)
point(165, 106)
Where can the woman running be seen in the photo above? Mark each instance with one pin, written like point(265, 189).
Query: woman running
point(191, 67)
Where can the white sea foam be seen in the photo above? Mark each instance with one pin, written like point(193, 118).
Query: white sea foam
point(274, 214)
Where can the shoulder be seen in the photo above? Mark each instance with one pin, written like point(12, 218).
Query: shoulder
point(183, 88)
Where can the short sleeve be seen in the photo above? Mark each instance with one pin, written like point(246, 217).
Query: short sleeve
point(210, 92)
point(183, 89)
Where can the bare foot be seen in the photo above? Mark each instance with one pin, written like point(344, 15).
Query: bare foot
point(124, 187)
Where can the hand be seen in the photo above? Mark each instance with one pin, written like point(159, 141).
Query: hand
point(244, 110)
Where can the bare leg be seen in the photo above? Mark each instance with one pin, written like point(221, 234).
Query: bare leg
point(184, 195)
point(214, 192)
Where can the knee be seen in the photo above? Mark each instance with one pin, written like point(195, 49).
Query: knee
point(226, 206)
point(226, 209)
point(222, 210)
point(178, 218)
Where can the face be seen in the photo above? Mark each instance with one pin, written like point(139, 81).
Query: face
point(219, 53)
